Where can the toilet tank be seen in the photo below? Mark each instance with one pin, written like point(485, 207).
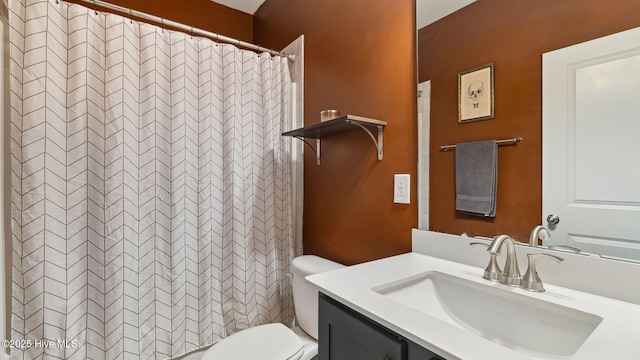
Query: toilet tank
point(305, 294)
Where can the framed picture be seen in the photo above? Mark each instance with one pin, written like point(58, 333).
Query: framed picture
point(475, 94)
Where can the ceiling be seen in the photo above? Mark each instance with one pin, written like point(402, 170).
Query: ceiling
point(428, 11)
point(247, 6)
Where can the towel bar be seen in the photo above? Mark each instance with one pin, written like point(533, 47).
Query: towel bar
point(514, 141)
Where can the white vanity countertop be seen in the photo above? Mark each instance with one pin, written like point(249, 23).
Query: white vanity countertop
point(615, 338)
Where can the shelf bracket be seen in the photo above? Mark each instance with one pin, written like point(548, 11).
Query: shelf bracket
point(316, 152)
point(339, 125)
point(378, 143)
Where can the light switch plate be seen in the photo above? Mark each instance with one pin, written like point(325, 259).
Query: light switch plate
point(401, 188)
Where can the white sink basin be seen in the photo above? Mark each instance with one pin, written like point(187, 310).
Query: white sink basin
point(524, 324)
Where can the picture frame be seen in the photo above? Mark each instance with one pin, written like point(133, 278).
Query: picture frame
point(476, 94)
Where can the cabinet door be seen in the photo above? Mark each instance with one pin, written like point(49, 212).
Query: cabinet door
point(347, 335)
point(417, 352)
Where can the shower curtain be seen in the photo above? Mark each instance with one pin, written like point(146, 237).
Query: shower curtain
point(151, 189)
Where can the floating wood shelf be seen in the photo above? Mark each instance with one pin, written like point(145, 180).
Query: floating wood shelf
point(339, 125)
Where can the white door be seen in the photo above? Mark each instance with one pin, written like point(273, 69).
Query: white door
point(591, 145)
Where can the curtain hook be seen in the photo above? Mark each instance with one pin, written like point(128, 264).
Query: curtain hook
point(95, 4)
point(131, 14)
point(191, 31)
point(162, 23)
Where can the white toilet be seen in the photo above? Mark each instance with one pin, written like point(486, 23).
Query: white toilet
point(276, 341)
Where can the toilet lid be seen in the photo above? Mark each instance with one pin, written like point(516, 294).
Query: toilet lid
point(264, 342)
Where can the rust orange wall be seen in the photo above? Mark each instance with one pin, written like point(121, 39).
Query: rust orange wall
point(359, 59)
point(203, 14)
point(514, 35)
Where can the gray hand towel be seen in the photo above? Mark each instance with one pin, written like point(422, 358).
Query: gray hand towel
point(477, 177)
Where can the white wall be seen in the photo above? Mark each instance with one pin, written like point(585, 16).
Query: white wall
point(296, 70)
point(424, 123)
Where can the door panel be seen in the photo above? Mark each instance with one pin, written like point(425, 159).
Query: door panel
point(607, 126)
point(591, 145)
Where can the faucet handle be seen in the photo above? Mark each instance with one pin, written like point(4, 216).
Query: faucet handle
point(531, 281)
point(493, 271)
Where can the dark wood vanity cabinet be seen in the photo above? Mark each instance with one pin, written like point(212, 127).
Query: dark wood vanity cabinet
point(347, 335)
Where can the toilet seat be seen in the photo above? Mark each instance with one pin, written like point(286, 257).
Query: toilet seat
point(265, 342)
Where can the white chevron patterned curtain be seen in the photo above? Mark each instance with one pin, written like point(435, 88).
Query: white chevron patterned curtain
point(151, 189)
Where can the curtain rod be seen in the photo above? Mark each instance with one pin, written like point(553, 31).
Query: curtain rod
point(186, 28)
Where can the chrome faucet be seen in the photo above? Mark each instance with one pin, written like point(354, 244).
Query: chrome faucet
point(511, 273)
point(539, 232)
